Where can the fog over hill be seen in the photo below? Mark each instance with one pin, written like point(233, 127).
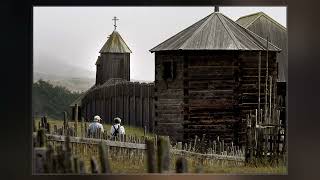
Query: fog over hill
point(72, 77)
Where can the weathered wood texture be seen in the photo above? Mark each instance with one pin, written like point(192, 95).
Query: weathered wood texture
point(210, 92)
point(131, 101)
point(112, 65)
point(265, 27)
point(168, 97)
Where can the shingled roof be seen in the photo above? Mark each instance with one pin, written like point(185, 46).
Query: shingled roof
point(215, 32)
point(115, 44)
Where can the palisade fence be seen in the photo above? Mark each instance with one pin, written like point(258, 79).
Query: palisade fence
point(61, 151)
point(266, 136)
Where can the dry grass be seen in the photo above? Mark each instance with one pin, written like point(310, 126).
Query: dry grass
point(134, 162)
point(134, 131)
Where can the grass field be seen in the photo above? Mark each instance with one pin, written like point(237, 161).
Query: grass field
point(122, 162)
point(135, 131)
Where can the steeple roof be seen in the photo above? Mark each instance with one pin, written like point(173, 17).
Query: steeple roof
point(215, 32)
point(115, 44)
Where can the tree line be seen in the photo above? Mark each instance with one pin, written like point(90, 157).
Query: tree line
point(49, 100)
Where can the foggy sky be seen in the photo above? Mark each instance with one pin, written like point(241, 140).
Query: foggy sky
point(73, 36)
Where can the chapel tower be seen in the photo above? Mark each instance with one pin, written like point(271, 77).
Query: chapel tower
point(114, 59)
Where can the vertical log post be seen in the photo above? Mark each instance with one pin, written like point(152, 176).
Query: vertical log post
point(76, 165)
point(94, 167)
point(151, 157)
point(181, 165)
point(82, 167)
point(65, 123)
point(104, 161)
point(68, 156)
point(76, 119)
point(195, 143)
point(82, 127)
point(41, 138)
point(179, 145)
point(163, 155)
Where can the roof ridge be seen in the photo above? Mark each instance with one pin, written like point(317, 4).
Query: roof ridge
point(179, 32)
point(262, 14)
point(259, 15)
point(250, 15)
point(198, 29)
point(273, 21)
point(228, 31)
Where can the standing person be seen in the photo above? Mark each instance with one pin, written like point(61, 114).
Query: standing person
point(116, 128)
point(95, 127)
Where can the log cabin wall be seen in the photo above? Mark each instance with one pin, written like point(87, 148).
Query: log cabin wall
point(168, 95)
point(211, 89)
point(210, 92)
point(131, 101)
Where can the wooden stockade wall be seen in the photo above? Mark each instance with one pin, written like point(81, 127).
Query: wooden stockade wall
point(131, 101)
point(209, 92)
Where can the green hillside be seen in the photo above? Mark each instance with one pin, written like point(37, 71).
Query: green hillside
point(51, 100)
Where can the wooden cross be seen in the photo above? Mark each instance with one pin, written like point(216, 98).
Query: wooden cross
point(115, 22)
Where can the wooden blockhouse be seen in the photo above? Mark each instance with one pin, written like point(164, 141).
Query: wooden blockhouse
point(206, 79)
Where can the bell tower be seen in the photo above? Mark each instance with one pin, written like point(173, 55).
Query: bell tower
point(114, 59)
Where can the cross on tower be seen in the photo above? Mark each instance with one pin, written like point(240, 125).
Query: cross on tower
point(115, 22)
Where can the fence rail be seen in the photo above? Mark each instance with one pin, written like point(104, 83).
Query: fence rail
point(129, 145)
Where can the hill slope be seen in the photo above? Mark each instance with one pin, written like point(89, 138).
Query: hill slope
point(51, 100)
point(74, 84)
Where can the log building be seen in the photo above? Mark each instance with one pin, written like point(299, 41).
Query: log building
point(206, 79)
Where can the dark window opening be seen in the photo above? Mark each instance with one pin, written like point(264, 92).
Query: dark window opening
point(169, 70)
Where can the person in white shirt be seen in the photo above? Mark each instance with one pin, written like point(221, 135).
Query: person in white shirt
point(95, 126)
point(116, 128)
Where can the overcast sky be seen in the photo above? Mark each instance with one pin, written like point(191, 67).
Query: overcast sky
point(73, 36)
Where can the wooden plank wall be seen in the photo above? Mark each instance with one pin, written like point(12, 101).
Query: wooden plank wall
point(131, 101)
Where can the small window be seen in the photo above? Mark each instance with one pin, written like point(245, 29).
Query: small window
point(169, 69)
